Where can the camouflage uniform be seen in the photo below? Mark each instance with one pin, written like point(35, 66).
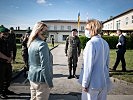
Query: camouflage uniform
point(72, 50)
point(24, 40)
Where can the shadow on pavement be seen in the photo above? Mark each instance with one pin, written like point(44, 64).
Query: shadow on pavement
point(60, 75)
point(69, 96)
point(59, 65)
point(23, 96)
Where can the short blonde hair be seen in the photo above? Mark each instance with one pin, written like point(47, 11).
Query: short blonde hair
point(94, 26)
point(36, 29)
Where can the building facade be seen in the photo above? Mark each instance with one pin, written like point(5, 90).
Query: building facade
point(123, 21)
point(58, 29)
point(61, 29)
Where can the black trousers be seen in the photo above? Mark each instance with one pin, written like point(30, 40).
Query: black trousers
point(5, 76)
point(2, 73)
point(120, 57)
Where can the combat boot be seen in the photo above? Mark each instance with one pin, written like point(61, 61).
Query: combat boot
point(70, 74)
point(74, 71)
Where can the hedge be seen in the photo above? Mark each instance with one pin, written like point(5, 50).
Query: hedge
point(83, 41)
point(112, 41)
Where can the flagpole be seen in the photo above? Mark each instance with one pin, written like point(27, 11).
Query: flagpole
point(78, 22)
point(78, 31)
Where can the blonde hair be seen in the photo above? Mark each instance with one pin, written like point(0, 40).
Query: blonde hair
point(38, 27)
point(94, 26)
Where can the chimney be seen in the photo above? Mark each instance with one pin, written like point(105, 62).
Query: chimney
point(28, 28)
point(18, 28)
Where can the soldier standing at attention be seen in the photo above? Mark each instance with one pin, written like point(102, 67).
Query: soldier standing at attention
point(72, 50)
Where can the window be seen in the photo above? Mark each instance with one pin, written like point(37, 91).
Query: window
point(49, 27)
point(51, 36)
point(118, 24)
point(111, 26)
point(82, 28)
point(107, 26)
point(69, 27)
point(126, 20)
point(18, 35)
point(62, 27)
point(64, 37)
point(55, 27)
point(132, 19)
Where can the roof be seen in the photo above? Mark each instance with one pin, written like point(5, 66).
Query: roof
point(62, 21)
point(128, 11)
point(21, 30)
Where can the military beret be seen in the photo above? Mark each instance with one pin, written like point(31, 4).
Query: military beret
point(11, 28)
point(74, 30)
point(3, 29)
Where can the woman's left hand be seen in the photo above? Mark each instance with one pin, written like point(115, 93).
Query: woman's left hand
point(84, 89)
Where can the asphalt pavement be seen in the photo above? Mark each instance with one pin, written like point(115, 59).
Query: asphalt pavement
point(67, 89)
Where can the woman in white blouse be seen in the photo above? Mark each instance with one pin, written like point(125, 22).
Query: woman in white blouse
point(95, 76)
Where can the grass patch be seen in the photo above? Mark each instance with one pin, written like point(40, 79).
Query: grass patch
point(127, 76)
point(51, 46)
point(128, 58)
point(19, 59)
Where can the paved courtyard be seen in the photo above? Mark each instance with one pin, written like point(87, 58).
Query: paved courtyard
point(65, 89)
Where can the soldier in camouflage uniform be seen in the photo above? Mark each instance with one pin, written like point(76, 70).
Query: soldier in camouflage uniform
point(24, 40)
point(72, 50)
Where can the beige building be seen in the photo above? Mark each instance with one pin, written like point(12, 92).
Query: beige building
point(123, 21)
point(59, 29)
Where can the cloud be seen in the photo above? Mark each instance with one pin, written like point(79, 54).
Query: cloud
point(99, 10)
point(68, 1)
point(44, 2)
point(12, 6)
point(16, 7)
point(41, 1)
point(50, 4)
